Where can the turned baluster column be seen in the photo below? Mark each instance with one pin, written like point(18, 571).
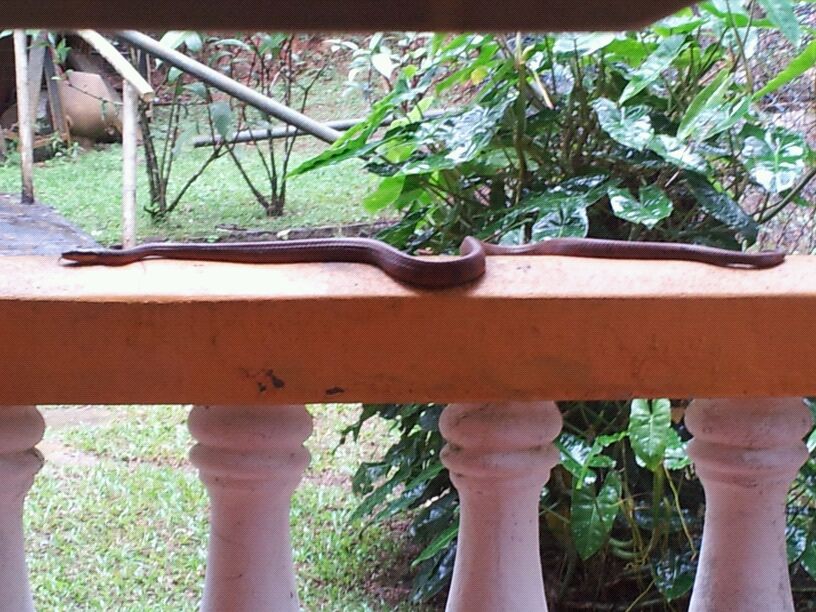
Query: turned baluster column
point(251, 459)
point(746, 453)
point(499, 456)
point(21, 427)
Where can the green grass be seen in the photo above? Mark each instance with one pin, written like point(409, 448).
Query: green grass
point(86, 186)
point(130, 532)
point(86, 190)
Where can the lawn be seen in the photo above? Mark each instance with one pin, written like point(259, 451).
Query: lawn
point(85, 186)
point(86, 190)
point(118, 520)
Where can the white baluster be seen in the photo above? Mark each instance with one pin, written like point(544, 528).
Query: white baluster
point(21, 427)
point(499, 455)
point(251, 459)
point(746, 453)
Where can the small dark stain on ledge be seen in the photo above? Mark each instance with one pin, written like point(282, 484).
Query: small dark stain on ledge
point(263, 378)
point(276, 382)
point(335, 391)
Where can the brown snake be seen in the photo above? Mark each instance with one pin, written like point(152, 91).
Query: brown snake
point(431, 273)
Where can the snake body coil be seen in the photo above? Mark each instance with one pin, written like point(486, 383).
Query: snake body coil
point(429, 273)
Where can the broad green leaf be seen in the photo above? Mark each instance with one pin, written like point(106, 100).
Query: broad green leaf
point(199, 89)
point(678, 153)
point(561, 222)
point(650, 70)
point(193, 42)
point(629, 126)
point(777, 160)
point(173, 38)
point(354, 141)
point(386, 193)
point(781, 13)
point(561, 211)
point(439, 543)
point(173, 74)
point(575, 451)
point(649, 425)
point(679, 23)
point(596, 459)
point(674, 573)
point(222, 118)
point(709, 99)
point(811, 441)
point(796, 535)
point(592, 516)
point(582, 44)
point(652, 207)
point(461, 138)
point(631, 50)
point(577, 456)
point(796, 68)
point(479, 74)
point(676, 457)
point(434, 577)
point(808, 558)
point(721, 206)
point(382, 63)
point(736, 17)
point(728, 116)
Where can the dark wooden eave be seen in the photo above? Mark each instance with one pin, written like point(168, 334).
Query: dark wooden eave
point(331, 15)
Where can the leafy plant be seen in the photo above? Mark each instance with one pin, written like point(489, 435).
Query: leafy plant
point(653, 135)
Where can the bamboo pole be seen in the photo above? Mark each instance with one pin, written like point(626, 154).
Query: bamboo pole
point(122, 66)
point(24, 127)
point(130, 121)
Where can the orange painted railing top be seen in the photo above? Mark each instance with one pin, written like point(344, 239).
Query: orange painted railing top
point(533, 328)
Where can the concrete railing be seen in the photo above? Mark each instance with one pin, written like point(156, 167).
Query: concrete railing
point(250, 344)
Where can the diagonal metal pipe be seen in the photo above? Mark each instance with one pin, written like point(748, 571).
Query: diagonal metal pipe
point(287, 130)
point(228, 85)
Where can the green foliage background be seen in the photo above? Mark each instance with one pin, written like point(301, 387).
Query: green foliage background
point(653, 135)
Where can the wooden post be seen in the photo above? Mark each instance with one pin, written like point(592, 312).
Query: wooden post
point(24, 127)
point(58, 120)
point(130, 119)
point(36, 59)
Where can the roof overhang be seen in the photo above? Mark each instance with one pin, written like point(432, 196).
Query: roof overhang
point(333, 15)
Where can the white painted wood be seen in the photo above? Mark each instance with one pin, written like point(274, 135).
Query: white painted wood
point(251, 459)
point(119, 63)
point(499, 456)
point(130, 155)
point(25, 129)
point(21, 427)
point(746, 453)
